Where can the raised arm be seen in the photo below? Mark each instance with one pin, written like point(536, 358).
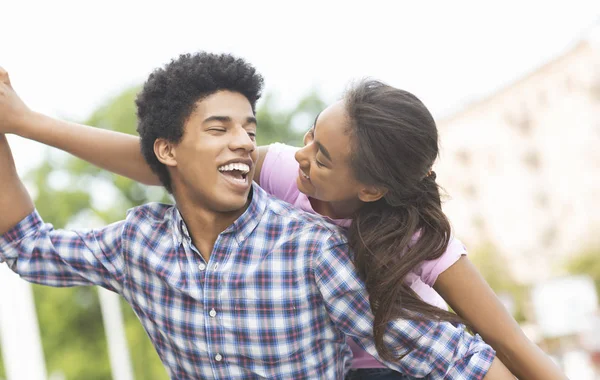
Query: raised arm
point(35, 250)
point(113, 151)
point(15, 202)
point(471, 297)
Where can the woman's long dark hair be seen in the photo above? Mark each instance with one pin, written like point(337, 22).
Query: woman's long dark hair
point(395, 143)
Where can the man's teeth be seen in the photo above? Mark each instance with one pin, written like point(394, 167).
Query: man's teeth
point(245, 169)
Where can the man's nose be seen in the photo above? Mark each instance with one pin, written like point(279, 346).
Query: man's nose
point(242, 140)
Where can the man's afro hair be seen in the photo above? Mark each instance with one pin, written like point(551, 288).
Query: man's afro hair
point(170, 94)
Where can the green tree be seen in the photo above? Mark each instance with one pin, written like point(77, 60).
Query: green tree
point(2, 370)
point(494, 269)
point(280, 125)
point(68, 192)
point(588, 263)
point(74, 340)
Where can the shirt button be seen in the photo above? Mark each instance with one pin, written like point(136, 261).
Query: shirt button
point(212, 313)
point(202, 266)
point(218, 357)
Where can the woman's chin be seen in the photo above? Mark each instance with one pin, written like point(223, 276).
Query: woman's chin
point(302, 187)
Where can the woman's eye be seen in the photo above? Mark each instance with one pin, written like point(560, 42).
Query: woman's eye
point(217, 129)
point(252, 135)
point(318, 163)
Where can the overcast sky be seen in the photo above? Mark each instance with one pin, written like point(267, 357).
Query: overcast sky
point(66, 58)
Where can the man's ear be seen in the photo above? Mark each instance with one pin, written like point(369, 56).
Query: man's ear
point(165, 152)
point(372, 193)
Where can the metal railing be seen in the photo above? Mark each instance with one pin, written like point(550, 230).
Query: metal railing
point(19, 331)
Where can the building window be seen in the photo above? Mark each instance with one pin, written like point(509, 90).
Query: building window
point(470, 191)
point(569, 84)
point(541, 199)
point(549, 236)
point(463, 157)
point(595, 88)
point(542, 98)
point(478, 222)
point(520, 120)
point(532, 160)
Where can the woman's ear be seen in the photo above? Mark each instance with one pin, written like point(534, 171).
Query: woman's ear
point(372, 193)
point(165, 152)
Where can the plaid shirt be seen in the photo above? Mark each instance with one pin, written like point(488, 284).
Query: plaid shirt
point(276, 299)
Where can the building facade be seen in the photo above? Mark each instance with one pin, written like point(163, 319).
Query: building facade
point(522, 166)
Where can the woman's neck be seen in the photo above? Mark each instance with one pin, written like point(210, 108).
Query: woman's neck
point(335, 210)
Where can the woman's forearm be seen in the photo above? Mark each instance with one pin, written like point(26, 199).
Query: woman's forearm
point(498, 372)
point(526, 360)
point(113, 151)
point(471, 297)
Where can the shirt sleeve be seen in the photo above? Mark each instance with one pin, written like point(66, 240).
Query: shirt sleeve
point(279, 171)
point(42, 255)
point(429, 270)
point(438, 350)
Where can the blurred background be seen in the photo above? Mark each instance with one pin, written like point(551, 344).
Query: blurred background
point(514, 87)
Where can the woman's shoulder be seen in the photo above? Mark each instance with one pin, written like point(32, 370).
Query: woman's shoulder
point(429, 270)
point(281, 149)
point(279, 172)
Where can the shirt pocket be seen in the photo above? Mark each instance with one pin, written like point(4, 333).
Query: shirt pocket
point(267, 331)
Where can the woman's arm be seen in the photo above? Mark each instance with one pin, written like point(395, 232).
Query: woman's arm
point(262, 153)
point(117, 152)
point(465, 290)
point(113, 151)
point(498, 371)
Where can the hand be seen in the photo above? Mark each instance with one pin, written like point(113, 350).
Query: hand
point(13, 111)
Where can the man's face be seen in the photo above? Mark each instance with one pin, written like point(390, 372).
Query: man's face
point(215, 160)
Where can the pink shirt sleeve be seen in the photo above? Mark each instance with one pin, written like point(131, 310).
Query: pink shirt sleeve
point(279, 172)
point(429, 271)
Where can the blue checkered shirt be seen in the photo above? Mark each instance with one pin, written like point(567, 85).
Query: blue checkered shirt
point(276, 300)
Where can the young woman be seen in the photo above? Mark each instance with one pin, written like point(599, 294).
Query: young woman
point(366, 165)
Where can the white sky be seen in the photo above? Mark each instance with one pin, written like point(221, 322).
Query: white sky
point(66, 58)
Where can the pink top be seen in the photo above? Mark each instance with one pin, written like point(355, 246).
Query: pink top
point(278, 178)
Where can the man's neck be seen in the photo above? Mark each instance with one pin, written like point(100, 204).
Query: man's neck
point(204, 225)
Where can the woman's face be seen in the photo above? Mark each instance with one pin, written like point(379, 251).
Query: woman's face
point(325, 173)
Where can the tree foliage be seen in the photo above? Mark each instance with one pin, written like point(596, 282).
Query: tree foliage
point(496, 272)
point(588, 263)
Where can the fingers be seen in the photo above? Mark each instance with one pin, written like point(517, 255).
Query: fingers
point(4, 76)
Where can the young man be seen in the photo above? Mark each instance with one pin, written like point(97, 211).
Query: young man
point(229, 283)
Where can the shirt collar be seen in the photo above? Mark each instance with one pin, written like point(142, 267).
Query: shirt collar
point(249, 220)
point(242, 227)
point(178, 228)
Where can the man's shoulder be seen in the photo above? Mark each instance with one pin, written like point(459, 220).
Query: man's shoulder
point(290, 217)
point(150, 216)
